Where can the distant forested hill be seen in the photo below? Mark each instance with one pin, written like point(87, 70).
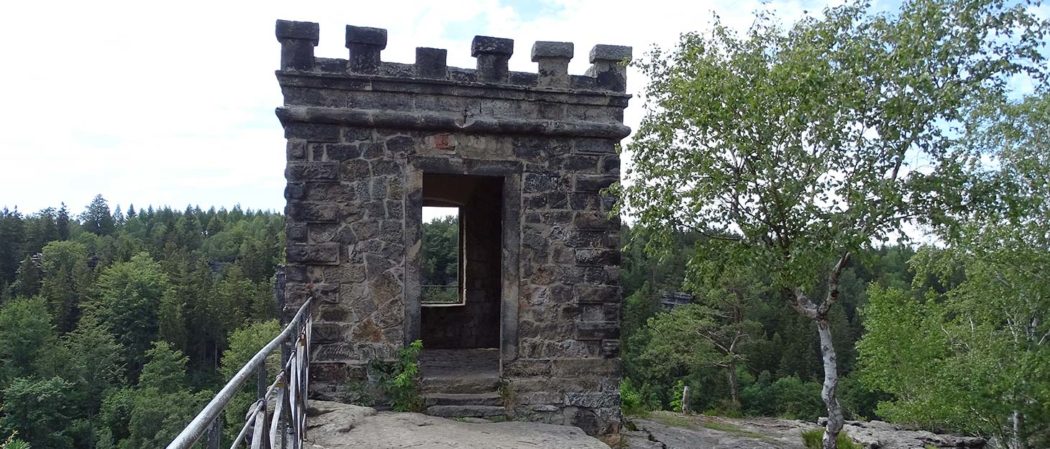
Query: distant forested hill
point(114, 323)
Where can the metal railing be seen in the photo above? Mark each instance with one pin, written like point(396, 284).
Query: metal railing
point(288, 419)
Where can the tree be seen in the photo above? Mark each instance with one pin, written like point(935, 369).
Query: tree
point(25, 336)
point(12, 237)
point(441, 251)
point(725, 324)
point(244, 343)
point(94, 365)
point(65, 282)
point(160, 406)
point(129, 295)
point(62, 222)
point(792, 149)
point(985, 339)
point(97, 218)
point(39, 410)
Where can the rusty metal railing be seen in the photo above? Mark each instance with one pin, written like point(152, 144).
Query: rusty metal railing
point(264, 428)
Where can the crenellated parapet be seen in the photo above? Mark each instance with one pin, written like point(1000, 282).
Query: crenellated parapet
point(608, 70)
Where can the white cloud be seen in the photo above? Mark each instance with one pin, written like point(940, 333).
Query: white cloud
point(172, 103)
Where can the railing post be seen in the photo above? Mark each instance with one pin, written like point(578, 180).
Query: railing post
point(215, 433)
point(260, 383)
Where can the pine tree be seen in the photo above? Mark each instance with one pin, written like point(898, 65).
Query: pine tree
point(97, 218)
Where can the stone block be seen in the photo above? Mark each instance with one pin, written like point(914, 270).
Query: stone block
point(597, 330)
point(585, 368)
point(328, 332)
point(430, 63)
point(596, 294)
point(595, 256)
point(594, 183)
point(493, 54)
point(296, 150)
point(365, 45)
point(312, 212)
point(298, 40)
point(312, 132)
point(594, 146)
point(311, 171)
point(592, 400)
point(322, 254)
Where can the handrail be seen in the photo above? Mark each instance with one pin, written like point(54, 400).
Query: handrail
point(207, 416)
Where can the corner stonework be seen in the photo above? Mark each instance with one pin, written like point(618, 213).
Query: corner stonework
point(362, 133)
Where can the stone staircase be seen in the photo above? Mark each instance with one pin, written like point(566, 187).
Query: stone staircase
point(461, 383)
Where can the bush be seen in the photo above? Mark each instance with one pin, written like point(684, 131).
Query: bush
point(814, 439)
point(796, 399)
point(403, 387)
point(14, 443)
point(757, 398)
point(631, 399)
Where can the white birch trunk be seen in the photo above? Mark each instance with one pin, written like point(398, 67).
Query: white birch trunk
point(831, 381)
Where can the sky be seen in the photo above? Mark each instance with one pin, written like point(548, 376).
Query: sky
point(172, 103)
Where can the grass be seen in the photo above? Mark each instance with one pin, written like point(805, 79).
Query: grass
point(813, 439)
point(677, 420)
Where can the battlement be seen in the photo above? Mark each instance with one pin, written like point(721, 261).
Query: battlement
point(608, 72)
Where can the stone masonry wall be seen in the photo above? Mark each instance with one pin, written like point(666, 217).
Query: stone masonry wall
point(361, 132)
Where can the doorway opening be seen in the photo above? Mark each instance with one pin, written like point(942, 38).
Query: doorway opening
point(461, 292)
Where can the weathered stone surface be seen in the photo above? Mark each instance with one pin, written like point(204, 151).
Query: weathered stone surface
point(675, 431)
point(342, 426)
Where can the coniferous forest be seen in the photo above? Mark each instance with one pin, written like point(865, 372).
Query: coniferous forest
point(117, 326)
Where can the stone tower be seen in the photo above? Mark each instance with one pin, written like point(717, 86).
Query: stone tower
point(524, 156)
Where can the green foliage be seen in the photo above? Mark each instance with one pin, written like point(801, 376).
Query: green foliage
point(631, 402)
point(440, 262)
point(129, 296)
point(25, 337)
point(161, 405)
point(403, 386)
point(39, 410)
point(93, 363)
point(102, 292)
point(244, 344)
point(789, 149)
point(97, 219)
point(814, 439)
point(14, 443)
point(65, 281)
point(12, 236)
point(969, 337)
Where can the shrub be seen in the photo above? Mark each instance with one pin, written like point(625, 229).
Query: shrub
point(630, 399)
point(403, 387)
point(797, 399)
point(813, 439)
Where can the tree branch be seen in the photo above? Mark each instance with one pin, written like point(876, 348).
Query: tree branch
point(833, 285)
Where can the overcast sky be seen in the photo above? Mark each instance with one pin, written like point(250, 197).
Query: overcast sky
point(172, 103)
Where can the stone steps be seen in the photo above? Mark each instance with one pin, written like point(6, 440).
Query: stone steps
point(459, 385)
point(486, 399)
point(467, 411)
